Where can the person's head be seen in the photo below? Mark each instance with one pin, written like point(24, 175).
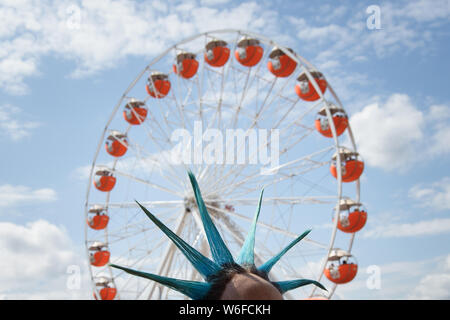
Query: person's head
point(226, 278)
point(236, 282)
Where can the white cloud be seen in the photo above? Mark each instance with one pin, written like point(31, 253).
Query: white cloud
point(438, 118)
point(18, 195)
point(433, 287)
point(34, 259)
point(415, 229)
point(98, 34)
point(387, 134)
point(396, 134)
point(439, 113)
point(337, 37)
point(436, 285)
point(402, 28)
point(423, 10)
point(13, 123)
point(435, 195)
point(213, 2)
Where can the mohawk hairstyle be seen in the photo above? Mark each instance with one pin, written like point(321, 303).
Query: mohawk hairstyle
point(218, 271)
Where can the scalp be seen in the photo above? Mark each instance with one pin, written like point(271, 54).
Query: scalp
point(249, 286)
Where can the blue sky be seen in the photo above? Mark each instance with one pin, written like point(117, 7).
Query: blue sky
point(59, 84)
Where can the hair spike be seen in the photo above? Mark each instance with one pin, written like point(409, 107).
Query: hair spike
point(247, 253)
point(193, 289)
point(219, 250)
point(285, 286)
point(202, 264)
point(266, 267)
point(222, 256)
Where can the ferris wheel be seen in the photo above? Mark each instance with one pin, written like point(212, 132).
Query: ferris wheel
point(243, 113)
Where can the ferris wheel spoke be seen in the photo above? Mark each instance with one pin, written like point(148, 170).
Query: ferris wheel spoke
point(180, 111)
point(239, 105)
point(255, 76)
point(165, 118)
point(124, 257)
point(167, 163)
point(199, 83)
point(116, 238)
point(265, 106)
point(266, 226)
point(225, 72)
point(225, 76)
point(129, 231)
point(180, 104)
point(132, 264)
point(263, 145)
point(295, 120)
point(146, 162)
point(237, 171)
point(147, 204)
point(216, 116)
point(256, 176)
point(301, 159)
point(182, 83)
point(279, 200)
point(151, 184)
point(282, 178)
point(303, 168)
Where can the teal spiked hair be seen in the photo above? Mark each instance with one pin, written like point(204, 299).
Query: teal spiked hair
point(221, 255)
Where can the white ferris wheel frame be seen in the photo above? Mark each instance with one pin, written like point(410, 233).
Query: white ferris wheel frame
point(306, 67)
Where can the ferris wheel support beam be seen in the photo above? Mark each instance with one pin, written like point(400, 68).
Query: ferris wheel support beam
point(167, 257)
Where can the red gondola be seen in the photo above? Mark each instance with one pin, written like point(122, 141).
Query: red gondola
point(99, 256)
point(341, 267)
point(280, 64)
point(305, 90)
point(186, 65)
point(352, 216)
point(217, 53)
point(106, 292)
point(340, 121)
point(135, 112)
point(249, 52)
point(158, 85)
point(116, 144)
point(98, 219)
point(104, 180)
point(352, 166)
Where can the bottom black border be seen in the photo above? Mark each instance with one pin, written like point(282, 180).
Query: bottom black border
point(163, 310)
